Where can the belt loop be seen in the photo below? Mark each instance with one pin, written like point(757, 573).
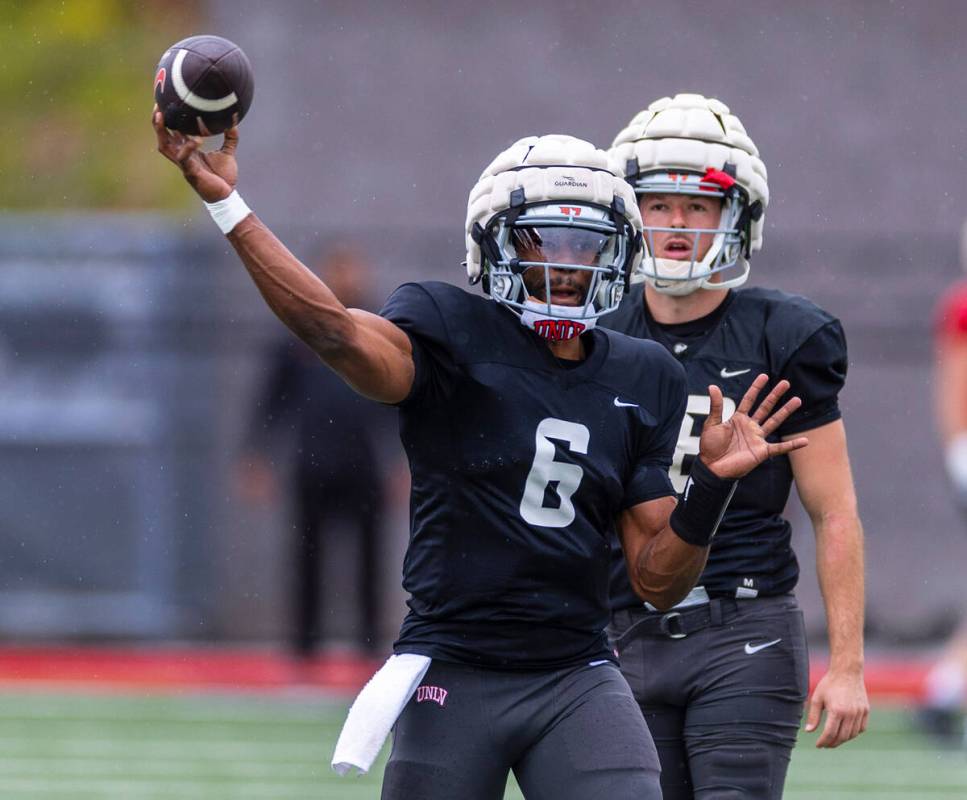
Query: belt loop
point(715, 611)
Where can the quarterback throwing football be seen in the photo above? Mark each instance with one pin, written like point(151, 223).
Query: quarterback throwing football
point(530, 431)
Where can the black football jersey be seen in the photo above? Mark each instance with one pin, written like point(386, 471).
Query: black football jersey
point(754, 330)
point(520, 464)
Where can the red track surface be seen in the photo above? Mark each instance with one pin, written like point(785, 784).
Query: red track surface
point(173, 670)
point(180, 669)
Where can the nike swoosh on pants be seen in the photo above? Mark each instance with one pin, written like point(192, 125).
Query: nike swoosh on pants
point(750, 648)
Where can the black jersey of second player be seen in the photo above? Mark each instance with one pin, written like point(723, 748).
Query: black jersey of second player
point(755, 330)
point(519, 469)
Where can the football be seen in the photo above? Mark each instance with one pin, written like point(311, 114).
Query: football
point(203, 85)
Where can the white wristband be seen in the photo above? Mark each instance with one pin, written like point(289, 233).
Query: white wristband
point(229, 212)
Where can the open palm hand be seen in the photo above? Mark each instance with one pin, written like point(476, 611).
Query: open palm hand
point(735, 447)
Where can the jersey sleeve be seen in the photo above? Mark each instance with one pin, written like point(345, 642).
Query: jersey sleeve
point(413, 309)
point(950, 322)
point(816, 373)
point(656, 446)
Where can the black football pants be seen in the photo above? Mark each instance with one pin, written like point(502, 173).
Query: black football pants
point(724, 704)
point(572, 734)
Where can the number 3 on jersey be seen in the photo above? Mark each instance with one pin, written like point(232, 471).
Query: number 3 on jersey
point(695, 413)
point(546, 471)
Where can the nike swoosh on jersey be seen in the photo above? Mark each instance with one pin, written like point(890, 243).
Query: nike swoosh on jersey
point(751, 649)
point(731, 373)
point(619, 404)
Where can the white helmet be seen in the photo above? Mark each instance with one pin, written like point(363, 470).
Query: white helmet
point(690, 144)
point(548, 195)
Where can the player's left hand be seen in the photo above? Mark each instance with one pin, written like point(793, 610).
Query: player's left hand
point(842, 695)
point(735, 447)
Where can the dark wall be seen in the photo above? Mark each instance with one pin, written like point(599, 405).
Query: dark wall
point(106, 442)
point(373, 113)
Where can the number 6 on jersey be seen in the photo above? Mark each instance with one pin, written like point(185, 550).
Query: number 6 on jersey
point(546, 471)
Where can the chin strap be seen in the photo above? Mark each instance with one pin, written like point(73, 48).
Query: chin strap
point(563, 323)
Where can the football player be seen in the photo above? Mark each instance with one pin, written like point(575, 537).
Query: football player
point(529, 432)
point(946, 683)
point(722, 677)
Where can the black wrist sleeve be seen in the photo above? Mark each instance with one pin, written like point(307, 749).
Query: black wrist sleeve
point(702, 505)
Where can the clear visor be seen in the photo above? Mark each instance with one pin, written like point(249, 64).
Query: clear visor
point(562, 246)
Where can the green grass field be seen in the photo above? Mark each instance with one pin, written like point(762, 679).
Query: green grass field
point(277, 747)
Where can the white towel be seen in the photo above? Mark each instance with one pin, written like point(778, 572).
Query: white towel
point(375, 710)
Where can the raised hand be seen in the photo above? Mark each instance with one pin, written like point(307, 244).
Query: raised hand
point(212, 175)
point(734, 448)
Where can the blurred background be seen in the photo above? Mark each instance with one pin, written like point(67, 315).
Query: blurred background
point(143, 468)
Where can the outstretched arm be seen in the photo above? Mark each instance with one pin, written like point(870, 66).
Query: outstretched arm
point(666, 544)
point(371, 354)
point(825, 486)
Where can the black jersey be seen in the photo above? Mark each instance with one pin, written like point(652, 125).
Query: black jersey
point(519, 468)
point(754, 330)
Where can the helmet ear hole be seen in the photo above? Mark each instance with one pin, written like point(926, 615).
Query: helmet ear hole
point(489, 248)
point(750, 214)
point(635, 246)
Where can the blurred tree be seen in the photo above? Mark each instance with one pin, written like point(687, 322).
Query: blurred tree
point(75, 88)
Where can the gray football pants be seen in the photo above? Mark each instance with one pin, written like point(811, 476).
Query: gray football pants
point(724, 704)
point(571, 734)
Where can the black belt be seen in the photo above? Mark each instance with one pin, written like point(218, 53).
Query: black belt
point(675, 624)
